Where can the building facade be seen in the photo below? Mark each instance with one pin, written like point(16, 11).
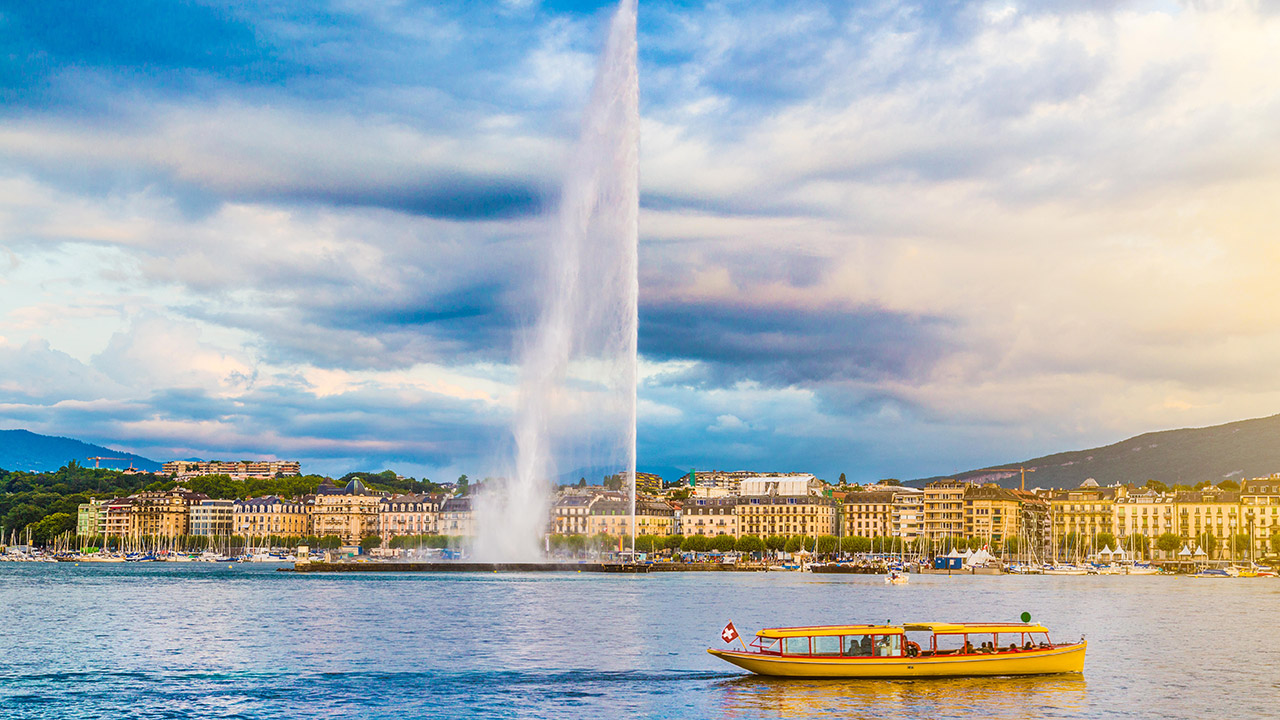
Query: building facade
point(944, 509)
point(868, 513)
point(213, 518)
point(709, 516)
point(409, 515)
point(456, 517)
point(351, 512)
point(239, 470)
point(271, 515)
point(907, 515)
point(164, 513)
point(91, 517)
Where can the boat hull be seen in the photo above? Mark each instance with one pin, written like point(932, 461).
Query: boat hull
point(1050, 661)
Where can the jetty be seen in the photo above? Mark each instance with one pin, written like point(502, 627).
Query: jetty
point(462, 567)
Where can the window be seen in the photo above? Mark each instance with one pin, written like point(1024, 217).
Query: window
point(857, 646)
point(826, 645)
point(888, 646)
point(795, 645)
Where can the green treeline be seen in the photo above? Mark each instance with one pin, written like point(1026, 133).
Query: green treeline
point(48, 502)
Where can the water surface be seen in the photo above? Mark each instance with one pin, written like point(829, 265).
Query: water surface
point(199, 640)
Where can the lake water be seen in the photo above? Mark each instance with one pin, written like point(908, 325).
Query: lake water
point(199, 640)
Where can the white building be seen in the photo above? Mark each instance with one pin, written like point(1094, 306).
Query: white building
point(213, 517)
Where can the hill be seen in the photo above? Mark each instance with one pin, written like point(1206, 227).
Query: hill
point(1242, 449)
point(30, 452)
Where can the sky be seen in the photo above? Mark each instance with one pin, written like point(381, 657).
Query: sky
point(886, 239)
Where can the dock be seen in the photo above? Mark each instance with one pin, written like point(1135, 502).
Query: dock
point(464, 567)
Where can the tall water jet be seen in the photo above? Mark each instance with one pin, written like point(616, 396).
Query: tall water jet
point(577, 401)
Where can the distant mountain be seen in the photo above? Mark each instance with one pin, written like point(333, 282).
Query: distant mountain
point(1243, 449)
point(25, 450)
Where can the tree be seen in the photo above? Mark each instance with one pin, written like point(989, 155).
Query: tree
point(1169, 543)
point(464, 486)
point(44, 531)
point(1275, 542)
point(749, 544)
point(1011, 546)
point(775, 543)
point(1157, 486)
point(855, 544)
point(1104, 540)
point(891, 481)
point(799, 542)
point(672, 542)
point(843, 481)
point(827, 545)
point(1240, 543)
point(582, 483)
point(723, 543)
point(1231, 485)
point(369, 542)
point(694, 543)
point(646, 543)
point(602, 542)
point(329, 542)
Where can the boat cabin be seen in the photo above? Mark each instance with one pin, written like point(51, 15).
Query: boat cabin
point(909, 640)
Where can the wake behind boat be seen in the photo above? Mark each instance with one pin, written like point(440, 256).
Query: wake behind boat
point(904, 651)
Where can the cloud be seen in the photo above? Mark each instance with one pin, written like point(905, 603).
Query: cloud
point(885, 238)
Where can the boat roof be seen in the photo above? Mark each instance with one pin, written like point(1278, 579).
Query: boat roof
point(939, 628)
point(822, 630)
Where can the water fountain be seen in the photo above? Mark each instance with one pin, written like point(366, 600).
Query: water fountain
point(577, 400)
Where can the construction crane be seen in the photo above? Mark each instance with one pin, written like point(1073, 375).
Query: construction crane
point(1020, 470)
point(99, 458)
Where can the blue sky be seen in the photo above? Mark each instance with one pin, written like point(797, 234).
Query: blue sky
point(885, 239)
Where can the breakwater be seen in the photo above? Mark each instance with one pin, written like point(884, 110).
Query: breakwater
point(330, 567)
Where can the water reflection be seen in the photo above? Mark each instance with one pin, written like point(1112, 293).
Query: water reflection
point(754, 696)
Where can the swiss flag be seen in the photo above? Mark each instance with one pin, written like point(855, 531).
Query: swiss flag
point(729, 633)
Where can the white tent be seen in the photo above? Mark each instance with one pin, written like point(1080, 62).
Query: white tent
point(1184, 552)
point(981, 557)
point(1120, 554)
point(1200, 551)
point(967, 554)
point(1106, 550)
point(954, 554)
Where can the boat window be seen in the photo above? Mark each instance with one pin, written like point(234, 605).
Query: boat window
point(795, 645)
point(826, 645)
point(769, 645)
point(949, 644)
point(858, 645)
point(888, 646)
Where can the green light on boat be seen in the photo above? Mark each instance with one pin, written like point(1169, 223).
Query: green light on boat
point(1026, 617)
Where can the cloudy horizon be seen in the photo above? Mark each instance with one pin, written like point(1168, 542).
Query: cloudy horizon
point(886, 240)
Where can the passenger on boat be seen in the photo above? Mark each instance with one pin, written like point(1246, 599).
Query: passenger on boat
point(968, 648)
point(1013, 647)
point(866, 646)
point(1029, 645)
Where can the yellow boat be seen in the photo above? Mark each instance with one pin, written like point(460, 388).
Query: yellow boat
point(912, 650)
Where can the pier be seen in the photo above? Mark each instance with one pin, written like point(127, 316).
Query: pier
point(330, 567)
